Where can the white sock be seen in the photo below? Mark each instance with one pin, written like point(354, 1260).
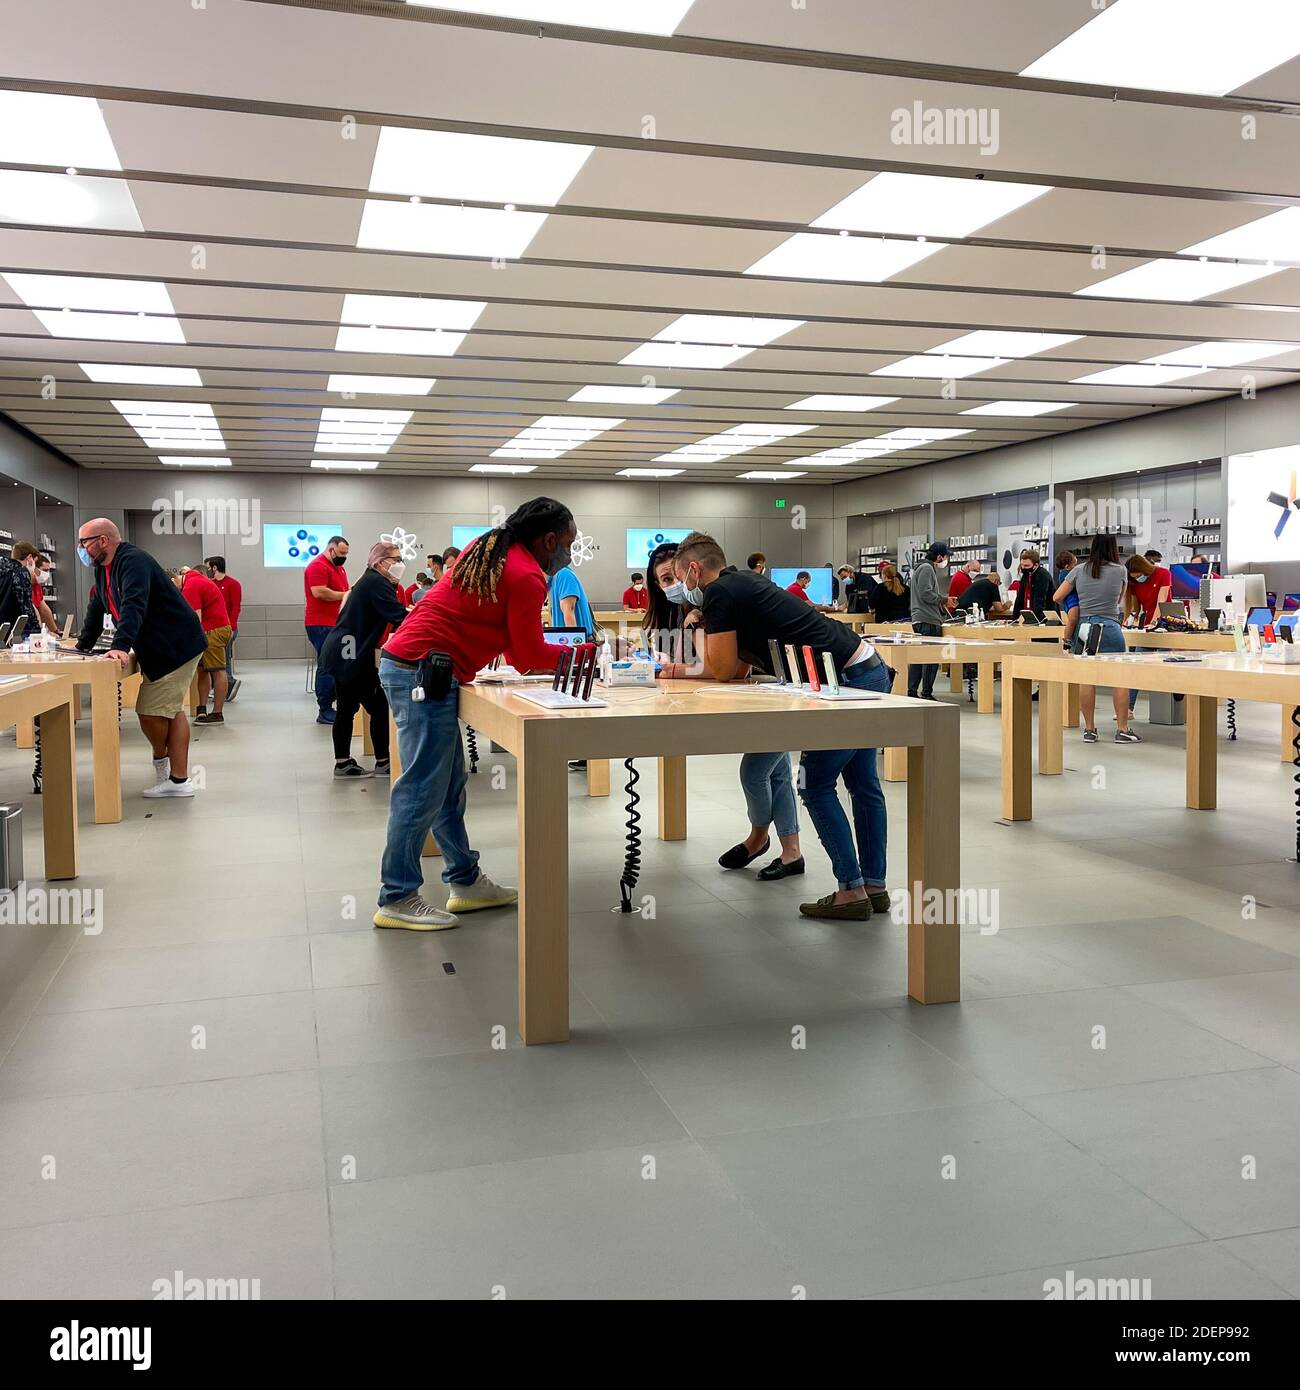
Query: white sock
point(162, 768)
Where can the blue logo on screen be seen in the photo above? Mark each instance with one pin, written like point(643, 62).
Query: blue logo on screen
point(302, 545)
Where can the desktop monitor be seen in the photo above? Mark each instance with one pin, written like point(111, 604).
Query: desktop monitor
point(641, 540)
point(1290, 603)
point(1259, 617)
point(565, 636)
point(821, 590)
point(296, 546)
point(462, 535)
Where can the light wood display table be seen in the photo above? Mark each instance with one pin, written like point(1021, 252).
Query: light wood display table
point(696, 717)
point(102, 678)
point(1216, 677)
point(51, 698)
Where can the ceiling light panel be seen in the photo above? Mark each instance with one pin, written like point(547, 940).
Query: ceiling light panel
point(1272, 238)
point(1026, 408)
point(759, 477)
point(853, 403)
point(554, 435)
point(64, 200)
point(87, 306)
point(434, 230)
point(503, 468)
point(1177, 281)
point(1206, 356)
point(345, 465)
point(477, 168)
point(188, 461)
point(624, 395)
point(737, 440)
point(928, 205)
point(907, 438)
point(940, 366)
point(1132, 374)
point(649, 472)
point(998, 343)
point(627, 16)
point(1202, 46)
point(360, 431)
point(405, 326)
point(808, 256)
point(40, 128)
point(381, 385)
point(852, 453)
point(708, 340)
point(125, 374)
point(173, 424)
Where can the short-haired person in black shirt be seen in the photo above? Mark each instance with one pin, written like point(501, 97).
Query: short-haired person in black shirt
point(1035, 591)
point(984, 592)
point(741, 613)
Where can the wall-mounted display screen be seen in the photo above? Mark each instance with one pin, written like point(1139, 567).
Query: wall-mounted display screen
point(821, 590)
point(641, 540)
point(1263, 508)
point(462, 535)
point(295, 547)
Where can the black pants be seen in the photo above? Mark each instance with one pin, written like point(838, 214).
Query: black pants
point(922, 677)
point(364, 693)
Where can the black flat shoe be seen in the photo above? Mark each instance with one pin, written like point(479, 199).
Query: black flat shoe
point(738, 856)
point(776, 870)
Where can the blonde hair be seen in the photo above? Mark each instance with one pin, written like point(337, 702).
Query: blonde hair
point(889, 578)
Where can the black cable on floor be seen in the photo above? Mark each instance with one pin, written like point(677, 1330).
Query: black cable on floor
point(632, 862)
point(970, 687)
point(1232, 719)
point(471, 738)
point(36, 768)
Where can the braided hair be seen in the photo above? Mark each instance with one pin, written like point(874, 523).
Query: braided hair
point(479, 567)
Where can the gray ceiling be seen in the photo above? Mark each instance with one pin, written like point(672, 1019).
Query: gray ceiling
point(247, 130)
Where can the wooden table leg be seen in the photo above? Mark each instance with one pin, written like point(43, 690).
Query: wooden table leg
point(984, 687)
point(543, 836)
point(896, 758)
point(1288, 734)
point(1202, 752)
point(1017, 750)
point(25, 733)
point(430, 849)
point(59, 791)
point(954, 677)
point(1051, 753)
point(106, 748)
point(1070, 708)
point(367, 743)
point(672, 798)
point(934, 864)
point(597, 776)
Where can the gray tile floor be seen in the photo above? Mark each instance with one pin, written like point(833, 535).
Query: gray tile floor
point(1117, 1095)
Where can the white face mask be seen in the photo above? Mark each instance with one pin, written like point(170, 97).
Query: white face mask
point(396, 570)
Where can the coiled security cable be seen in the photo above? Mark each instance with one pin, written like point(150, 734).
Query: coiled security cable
point(1295, 762)
point(632, 861)
point(1232, 719)
point(471, 738)
point(36, 768)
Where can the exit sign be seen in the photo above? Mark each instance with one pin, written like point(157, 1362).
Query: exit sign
point(780, 502)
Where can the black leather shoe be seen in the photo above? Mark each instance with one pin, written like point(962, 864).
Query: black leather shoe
point(738, 856)
point(777, 870)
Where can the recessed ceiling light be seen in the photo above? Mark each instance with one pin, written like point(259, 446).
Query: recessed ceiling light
point(914, 435)
point(853, 453)
point(503, 468)
point(1132, 374)
point(477, 168)
point(629, 16)
point(928, 205)
point(554, 435)
point(87, 306)
point(1178, 281)
point(173, 424)
point(1272, 238)
point(60, 201)
point(624, 395)
point(432, 229)
point(989, 342)
point(381, 385)
point(1199, 356)
point(360, 431)
point(125, 374)
point(708, 340)
point(1019, 408)
point(737, 440)
point(186, 461)
point(938, 366)
point(1176, 45)
point(346, 465)
point(40, 128)
point(769, 477)
point(807, 256)
point(403, 325)
point(649, 472)
point(842, 402)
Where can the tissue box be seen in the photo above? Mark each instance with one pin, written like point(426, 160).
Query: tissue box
point(631, 671)
point(1284, 653)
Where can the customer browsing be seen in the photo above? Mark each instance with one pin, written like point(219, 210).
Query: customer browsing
point(929, 613)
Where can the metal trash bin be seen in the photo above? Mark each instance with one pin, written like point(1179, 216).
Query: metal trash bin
point(1165, 708)
point(11, 847)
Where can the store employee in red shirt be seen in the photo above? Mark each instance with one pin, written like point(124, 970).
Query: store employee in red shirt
point(800, 586)
point(636, 595)
point(490, 604)
point(325, 586)
point(233, 593)
point(205, 599)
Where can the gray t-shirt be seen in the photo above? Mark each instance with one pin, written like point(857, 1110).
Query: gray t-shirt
point(1098, 598)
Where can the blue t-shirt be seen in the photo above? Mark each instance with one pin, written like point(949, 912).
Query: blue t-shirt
point(564, 585)
point(1071, 599)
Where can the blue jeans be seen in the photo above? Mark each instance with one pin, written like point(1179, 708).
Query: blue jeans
point(769, 791)
point(430, 793)
point(864, 868)
point(230, 656)
point(324, 684)
point(921, 678)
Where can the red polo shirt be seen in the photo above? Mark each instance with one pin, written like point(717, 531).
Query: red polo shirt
point(798, 591)
point(233, 593)
point(323, 573)
point(636, 598)
point(958, 584)
point(205, 599)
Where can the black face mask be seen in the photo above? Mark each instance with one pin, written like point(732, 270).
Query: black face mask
point(340, 560)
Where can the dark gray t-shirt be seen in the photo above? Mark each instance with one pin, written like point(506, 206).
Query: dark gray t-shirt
point(1098, 598)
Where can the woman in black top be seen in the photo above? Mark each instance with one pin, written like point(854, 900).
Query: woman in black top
point(891, 600)
point(667, 616)
point(373, 607)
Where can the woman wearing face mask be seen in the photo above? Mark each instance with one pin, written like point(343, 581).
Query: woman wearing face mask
point(667, 616)
point(490, 604)
point(373, 609)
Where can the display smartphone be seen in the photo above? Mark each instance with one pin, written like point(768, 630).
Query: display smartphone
point(1094, 639)
point(67, 627)
point(562, 669)
point(1285, 630)
point(832, 680)
point(778, 666)
point(810, 665)
point(4, 634)
point(20, 626)
point(1268, 633)
point(792, 656)
point(1052, 619)
point(1027, 616)
point(591, 675)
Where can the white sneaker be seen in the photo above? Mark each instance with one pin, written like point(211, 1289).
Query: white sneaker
point(414, 914)
point(483, 892)
point(170, 788)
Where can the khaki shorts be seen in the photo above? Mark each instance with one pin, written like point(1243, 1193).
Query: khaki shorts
point(166, 697)
point(214, 659)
